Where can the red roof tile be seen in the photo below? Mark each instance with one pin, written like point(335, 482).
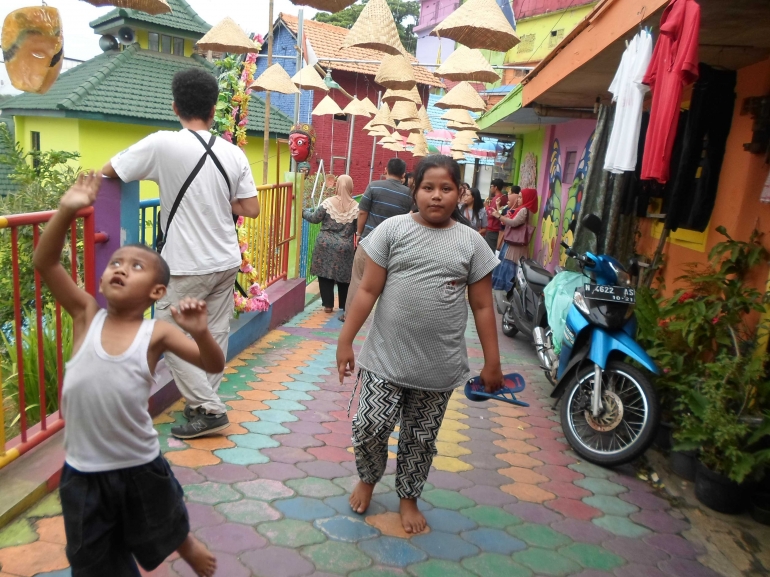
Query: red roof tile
point(326, 40)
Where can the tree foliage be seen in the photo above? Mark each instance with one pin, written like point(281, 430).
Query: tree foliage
point(406, 13)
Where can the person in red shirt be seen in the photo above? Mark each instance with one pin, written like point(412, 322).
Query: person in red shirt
point(496, 200)
point(674, 65)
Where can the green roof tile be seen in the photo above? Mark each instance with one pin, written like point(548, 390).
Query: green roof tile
point(182, 17)
point(132, 84)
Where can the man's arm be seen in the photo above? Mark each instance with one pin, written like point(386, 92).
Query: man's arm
point(108, 171)
point(248, 207)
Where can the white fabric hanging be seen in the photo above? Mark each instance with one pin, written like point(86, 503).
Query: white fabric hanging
point(628, 94)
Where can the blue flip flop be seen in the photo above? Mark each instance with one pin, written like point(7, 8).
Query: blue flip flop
point(514, 383)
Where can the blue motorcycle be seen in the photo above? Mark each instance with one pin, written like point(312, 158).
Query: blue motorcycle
point(609, 409)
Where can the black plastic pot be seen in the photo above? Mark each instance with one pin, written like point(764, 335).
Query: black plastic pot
point(718, 492)
point(684, 464)
point(760, 507)
point(664, 436)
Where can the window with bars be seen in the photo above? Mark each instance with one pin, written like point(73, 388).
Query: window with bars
point(34, 138)
point(154, 42)
point(570, 166)
point(179, 46)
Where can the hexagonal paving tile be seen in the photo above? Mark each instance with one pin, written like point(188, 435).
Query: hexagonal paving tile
point(248, 511)
point(304, 508)
point(539, 536)
point(282, 562)
point(211, 493)
point(346, 529)
point(592, 556)
point(545, 562)
point(447, 499)
point(495, 565)
point(231, 538)
point(440, 545)
point(491, 517)
point(494, 541)
point(439, 568)
point(601, 486)
point(291, 533)
point(392, 551)
point(315, 487)
point(336, 557)
point(264, 489)
point(448, 521)
point(621, 526)
point(610, 505)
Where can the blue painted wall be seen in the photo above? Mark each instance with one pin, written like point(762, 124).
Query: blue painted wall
point(284, 45)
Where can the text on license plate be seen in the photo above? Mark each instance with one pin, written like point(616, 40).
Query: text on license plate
point(617, 294)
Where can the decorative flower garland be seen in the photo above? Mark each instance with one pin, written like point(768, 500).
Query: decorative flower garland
point(230, 121)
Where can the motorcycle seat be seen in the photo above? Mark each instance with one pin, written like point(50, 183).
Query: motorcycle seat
point(536, 275)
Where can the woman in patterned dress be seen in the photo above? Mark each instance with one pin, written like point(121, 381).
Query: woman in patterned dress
point(333, 253)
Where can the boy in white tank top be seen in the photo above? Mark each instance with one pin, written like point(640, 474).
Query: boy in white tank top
point(121, 502)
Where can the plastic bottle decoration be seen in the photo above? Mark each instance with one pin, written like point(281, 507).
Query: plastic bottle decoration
point(301, 142)
point(33, 48)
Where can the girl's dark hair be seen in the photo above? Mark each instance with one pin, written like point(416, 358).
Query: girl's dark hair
point(478, 204)
point(448, 164)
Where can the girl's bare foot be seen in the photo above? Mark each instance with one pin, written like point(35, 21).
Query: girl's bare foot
point(328, 310)
point(361, 497)
point(412, 520)
point(198, 557)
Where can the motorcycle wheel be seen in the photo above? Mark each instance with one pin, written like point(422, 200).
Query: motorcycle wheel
point(509, 327)
point(626, 427)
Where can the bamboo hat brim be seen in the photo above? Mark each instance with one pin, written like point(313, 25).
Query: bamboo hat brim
point(412, 95)
point(390, 138)
point(395, 146)
point(227, 36)
point(458, 155)
point(376, 29)
point(355, 108)
point(424, 119)
point(478, 24)
point(378, 131)
point(410, 125)
point(467, 64)
point(462, 96)
point(369, 105)
point(325, 5)
point(459, 146)
point(465, 136)
point(153, 7)
point(382, 118)
point(417, 138)
point(326, 107)
point(458, 115)
point(395, 72)
point(276, 79)
point(462, 126)
point(404, 111)
point(309, 79)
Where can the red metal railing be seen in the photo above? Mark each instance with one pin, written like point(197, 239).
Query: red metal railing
point(48, 424)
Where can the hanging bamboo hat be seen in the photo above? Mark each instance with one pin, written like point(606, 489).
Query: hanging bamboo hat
point(478, 24)
point(461, 126)
point(227, 36)
point(458, 155)
point(394, 146)
point(462, 96)
point(276, 79)
point(393, 96)
point(424, 119)
point(458, 115)
point(326, 107)
point(467, 64)
point(462, 146)
point(377, 131)
point(420, 151)
point(326, 5)
point(375, 29)
point(410, 125)
point(309, 79)
point(404, 111)
point(389, 139)
point(355, 108)
point(369, 105)
point(395, 72)
point(417, 138)
point(153, 7)
point(465, 136)
point(382, 118)
point(414, 94)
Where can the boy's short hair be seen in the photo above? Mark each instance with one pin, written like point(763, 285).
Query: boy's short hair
point(396, 167)
point(515, 189)
point(162, 272)
point(195, 93)
point(498, 183)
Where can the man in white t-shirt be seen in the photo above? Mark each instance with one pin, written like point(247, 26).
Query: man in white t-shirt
point(201, 244)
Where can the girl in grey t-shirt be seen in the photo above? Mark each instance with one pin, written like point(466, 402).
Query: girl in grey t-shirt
point(419, 266)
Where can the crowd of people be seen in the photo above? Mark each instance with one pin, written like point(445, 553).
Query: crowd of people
point(420, 243)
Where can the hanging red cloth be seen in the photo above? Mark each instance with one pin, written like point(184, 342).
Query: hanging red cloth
point(674, 65)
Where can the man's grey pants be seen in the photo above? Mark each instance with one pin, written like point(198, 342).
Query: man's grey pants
point(198, 387)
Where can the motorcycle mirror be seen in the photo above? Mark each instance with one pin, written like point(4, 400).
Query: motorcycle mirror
point(572, 225)
point(593, 223)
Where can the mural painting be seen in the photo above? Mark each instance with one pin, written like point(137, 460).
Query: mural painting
point(575, 198)
point(551, 219)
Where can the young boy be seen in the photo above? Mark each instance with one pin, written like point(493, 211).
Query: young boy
point(121, 502)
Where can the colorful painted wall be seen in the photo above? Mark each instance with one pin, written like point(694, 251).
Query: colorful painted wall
point(563, 163)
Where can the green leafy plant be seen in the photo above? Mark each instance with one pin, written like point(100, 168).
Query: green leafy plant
point(714, 383)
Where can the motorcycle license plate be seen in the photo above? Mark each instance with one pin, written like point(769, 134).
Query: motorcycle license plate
point(615, 294)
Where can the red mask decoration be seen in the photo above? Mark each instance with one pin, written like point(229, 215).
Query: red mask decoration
point(299, 145)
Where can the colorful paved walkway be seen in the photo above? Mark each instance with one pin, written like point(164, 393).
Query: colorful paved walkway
point(507, 497)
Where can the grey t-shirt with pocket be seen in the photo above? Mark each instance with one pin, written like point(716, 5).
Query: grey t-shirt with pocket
point(417, 338)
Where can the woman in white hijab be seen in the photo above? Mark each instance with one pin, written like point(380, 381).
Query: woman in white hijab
point(333, 253)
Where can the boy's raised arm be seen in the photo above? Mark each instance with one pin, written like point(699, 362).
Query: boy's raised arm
point(48, 252)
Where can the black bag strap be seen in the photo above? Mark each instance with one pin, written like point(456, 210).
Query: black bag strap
point(209, 153)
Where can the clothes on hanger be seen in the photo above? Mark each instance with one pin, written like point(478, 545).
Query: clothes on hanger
point(628, 94)
point(674, 65)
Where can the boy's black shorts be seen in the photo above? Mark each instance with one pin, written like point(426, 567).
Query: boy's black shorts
point(114, 517)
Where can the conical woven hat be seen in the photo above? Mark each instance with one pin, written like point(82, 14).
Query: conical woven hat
point(424, 119)
point(276, 79)
point(375, 29)
point(459, 146)
point(462, 96)
point(465, 136)
point(451, 125)
point(414, 94)
point(420, 151)
point(153, 7)
point(227, 36)
point(389, 139)
point(478, 24)
point(393, 96)
point(417, 138)
point(327, 106)
point(410, 125)
point(378, 131)
point(404, 111)
point(309, 79)
point(458, 155)
point(369, 105)
point(382, 118)
point(326, 5)
point(395, 72)
point(355, 108)
point(395, 147)
point(467, 64)
point(458, 115)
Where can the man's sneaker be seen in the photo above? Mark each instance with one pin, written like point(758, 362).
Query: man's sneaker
point(203, 424)
point(190, 413)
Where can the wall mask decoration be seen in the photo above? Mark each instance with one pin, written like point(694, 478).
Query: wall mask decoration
point(301, 142)
point(33, 48)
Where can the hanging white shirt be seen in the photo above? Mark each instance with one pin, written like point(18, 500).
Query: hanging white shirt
point(628, 94)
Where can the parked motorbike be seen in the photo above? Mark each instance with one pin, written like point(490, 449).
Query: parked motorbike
point(609, 409)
